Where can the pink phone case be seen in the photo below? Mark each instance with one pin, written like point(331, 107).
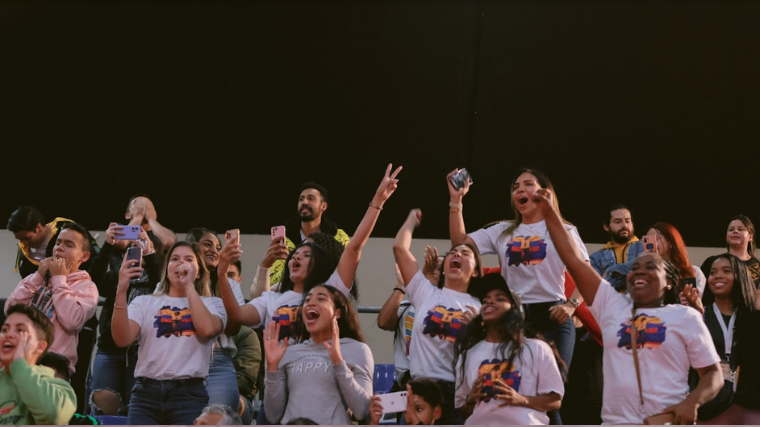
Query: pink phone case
point(278, 232)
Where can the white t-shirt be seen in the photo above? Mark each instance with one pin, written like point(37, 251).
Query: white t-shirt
point(283, 307)
point(534, 372)
point(403, 338)
point(437, 323)
point(169, 348)
point(672, 338)
point(529, 262)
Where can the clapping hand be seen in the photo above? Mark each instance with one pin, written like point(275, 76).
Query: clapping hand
point(272, 349)
point(334, 349)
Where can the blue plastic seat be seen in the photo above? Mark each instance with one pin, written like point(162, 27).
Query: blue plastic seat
point(385, 376)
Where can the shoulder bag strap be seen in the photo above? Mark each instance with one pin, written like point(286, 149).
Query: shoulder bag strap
point(634, 348)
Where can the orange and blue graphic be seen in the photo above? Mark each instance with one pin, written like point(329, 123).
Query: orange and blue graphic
point(497, 369)
point(287, 316)
point(408, 325)
point(444, 323)
point(526, 250)
point(173, 321)
point(650, 332)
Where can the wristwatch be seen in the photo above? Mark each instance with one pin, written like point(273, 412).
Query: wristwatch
point(574, 302)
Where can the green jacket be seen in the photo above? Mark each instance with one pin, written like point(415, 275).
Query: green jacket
point(33, 395)
point(247, 360)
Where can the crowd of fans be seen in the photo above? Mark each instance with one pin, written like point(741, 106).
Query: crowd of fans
point(630, 334)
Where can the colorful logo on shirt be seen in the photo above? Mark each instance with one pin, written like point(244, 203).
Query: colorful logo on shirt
point(650, 332)
point(497, 369)
point(444, 323)
point(526, 250)
point(287, 317)
point(5, 409)
point(173, 321)
point(408, 324)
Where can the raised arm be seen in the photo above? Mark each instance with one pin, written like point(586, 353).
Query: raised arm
point(227, 256)
point(586, 278)
point(349, 261)
point(456, 219)
point(166, 236)
point(387, 319)
point(124, 330)
point(405, 261)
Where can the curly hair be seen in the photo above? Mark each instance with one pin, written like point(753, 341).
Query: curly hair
point(321, 267)
point(335, 249)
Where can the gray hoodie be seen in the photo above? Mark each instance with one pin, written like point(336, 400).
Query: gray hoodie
point(309, 385)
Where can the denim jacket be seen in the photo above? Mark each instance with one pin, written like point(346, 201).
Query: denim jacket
point(606, 265)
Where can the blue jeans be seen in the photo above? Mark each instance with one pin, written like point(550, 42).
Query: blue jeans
point(167, 401)
point(562, 335)
point(222, 381)
point(113, 371)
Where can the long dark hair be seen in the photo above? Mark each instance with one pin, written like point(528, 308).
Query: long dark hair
point(544, 182)
point(511, 328)
point(321, 267)
point(335, 249)
point(478, 268)
point(348, 322)
point(195, 235)
point(743, 291)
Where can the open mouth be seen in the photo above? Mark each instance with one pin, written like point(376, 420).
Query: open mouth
point(456, 264)
point(489, 309)
point(639, 283)
point(719, 285)
point(522, 201)
point(7, 346)
point(311, 316)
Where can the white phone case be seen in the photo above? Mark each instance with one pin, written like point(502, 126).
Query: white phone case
point(393, 402)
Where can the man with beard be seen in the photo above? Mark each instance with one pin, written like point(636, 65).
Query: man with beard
point(312, 203)
point(614, 260)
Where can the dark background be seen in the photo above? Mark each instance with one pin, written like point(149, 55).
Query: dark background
point(219, 111)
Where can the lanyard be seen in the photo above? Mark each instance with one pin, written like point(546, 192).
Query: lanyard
point(728, 332)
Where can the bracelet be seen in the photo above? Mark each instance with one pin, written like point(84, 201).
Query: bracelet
point(400, 290)
point(117, 306)
point(376, 207)
point(456, 206)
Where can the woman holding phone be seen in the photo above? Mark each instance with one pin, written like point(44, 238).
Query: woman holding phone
point(650, 340)
point(503, 377)
point(529, 261)
point(671, 247)
point(307, 266)
point(177, 328)
point(217, 261)
point(328, 373)
point(731, 309)
point(441, 314)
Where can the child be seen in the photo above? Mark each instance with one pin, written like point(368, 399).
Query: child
point(30, 394)
point(423, 403)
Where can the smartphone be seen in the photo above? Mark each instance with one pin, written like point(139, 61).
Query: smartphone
point(278, 232)
point(687, 281)
point(131, 232)
point(650, 243)
point(232, 234)
point(134, 253)
point(393, 402)
point(459, 178)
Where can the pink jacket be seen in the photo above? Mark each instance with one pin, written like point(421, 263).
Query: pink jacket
point(75, 298)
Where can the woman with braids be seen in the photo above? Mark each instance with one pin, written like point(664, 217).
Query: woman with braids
point(504, 378)
point(731, 309)
point(647, 375)
point(670, 247)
